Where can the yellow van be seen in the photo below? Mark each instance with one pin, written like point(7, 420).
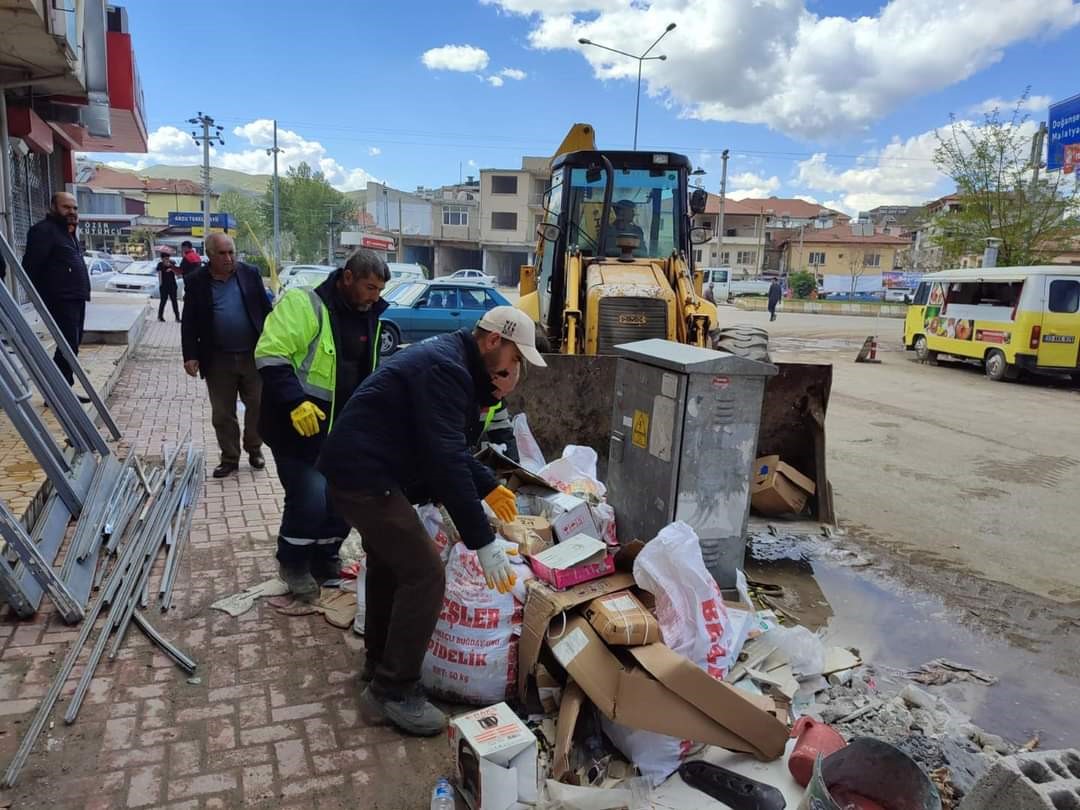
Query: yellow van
point(1012, 318)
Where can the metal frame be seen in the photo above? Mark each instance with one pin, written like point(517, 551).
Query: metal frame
point(19, 541)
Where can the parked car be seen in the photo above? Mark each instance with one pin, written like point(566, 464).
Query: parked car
point(309, 275)
point(118, 260)
point(141, 277)
point(296, 269)
point(899, 295)
point(716, 283)
point(101, 270)
point(749, 287)
point(422, 309)
point(472, 275)
point(403, 271)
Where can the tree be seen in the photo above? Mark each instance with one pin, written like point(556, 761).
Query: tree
point(802, 283)
point(309, 205)
point(998, 195)
point(856, 269)
point(251, 234)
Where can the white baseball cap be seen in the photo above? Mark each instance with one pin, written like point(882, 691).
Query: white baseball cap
point(512, 324)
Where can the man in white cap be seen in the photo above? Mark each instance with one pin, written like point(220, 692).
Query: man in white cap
point(403, 439)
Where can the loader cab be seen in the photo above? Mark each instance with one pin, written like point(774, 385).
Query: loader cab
point(615, 207)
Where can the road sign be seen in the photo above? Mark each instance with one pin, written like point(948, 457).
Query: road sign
point(194, 219)
point(1064, 126)
point(196, 230)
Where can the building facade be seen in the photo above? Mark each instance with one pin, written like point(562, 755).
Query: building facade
point(511, 207)
point(850, 251)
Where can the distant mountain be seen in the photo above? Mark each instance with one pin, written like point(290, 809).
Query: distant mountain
point(223, 179)
point(360, 195)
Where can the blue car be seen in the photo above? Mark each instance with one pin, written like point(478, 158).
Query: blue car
point(423, 309)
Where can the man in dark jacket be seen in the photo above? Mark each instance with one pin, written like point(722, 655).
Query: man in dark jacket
point(775, 293)
point(167, 271)
point(225, 306)
point(54, 262)
point(316, 348)
point(404, 439)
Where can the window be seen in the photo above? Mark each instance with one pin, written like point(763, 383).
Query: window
point(729, 232)
point(503, 221)
point(725, 257)
point(871, 260)
point(442, 298)
point(746, 257)
point(987, 293)
point(1064, 296)
point(472, 299)
point(455, 215)
point(817, 259)
point(697, 256)
point(922, 294)
point(504, 184)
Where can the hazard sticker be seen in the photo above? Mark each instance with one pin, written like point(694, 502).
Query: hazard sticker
point(641, 429)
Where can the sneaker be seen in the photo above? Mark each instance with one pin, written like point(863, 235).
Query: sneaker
point(301, 583)
point(413, 713)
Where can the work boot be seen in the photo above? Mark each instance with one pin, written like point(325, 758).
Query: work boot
point(325, 566)
point(412, 712)
point(256, 460)
point(301, 583)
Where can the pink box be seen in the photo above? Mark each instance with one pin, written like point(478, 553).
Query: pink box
point(563, 578)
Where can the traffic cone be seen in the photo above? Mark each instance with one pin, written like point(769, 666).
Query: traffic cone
point(868, 352)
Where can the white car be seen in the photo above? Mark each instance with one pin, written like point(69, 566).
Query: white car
point(471, 275)
point(101, 270)
point(141, 277)
point(296, 269)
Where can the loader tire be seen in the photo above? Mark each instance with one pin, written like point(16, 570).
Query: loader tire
point(742, 340)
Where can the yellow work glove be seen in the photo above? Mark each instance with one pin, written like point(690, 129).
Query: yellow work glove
point(503, 503)
point(306, 417)
point(497, 569)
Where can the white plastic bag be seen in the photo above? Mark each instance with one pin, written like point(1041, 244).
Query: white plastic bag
point(804, 650)
point(472, 654)
point(532, 458)
point(432, 518)
point(575, 473)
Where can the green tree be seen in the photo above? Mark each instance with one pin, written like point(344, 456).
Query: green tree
point(802, 283)
point(998, 197)
point(251, 235)
point(309, 204)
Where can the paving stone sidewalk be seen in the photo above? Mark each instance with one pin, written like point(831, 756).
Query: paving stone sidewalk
point(274, 721)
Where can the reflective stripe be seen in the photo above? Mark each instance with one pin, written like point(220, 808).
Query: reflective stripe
point(316, 306)
point(311, 541)
point(265, 362)
point(490, 416)
point(317, 391)
point(375, 348)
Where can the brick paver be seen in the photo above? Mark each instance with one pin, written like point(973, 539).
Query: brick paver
point(272, 720)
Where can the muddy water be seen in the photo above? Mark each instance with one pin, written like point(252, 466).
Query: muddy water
point(898, 628)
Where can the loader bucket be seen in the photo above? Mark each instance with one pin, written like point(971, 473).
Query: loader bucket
point(571, 402)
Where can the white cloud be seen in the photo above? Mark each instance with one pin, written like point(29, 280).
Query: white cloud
point(781, 64)
point(748, 184)
point(494, 81)
point(461, 58)
point(513, 73)
point(471, 164)
point(374, 151)
point(171, 146)
point(1032, 104)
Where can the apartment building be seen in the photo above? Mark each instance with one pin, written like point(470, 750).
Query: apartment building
point(511, 206)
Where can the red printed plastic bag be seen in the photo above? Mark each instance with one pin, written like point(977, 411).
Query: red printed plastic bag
point(473, 653)
point(442, 531)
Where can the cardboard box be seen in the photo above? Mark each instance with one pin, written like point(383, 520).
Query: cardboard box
point(579, 559)
point(778, 488)
point(531, 533)
point(495, 758)
point(570, 516)
point(650, 687)
point(622, 620)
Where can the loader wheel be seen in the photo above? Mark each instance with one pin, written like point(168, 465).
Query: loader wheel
point(742, 340)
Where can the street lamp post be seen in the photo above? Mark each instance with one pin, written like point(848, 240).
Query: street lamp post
point(640, 60)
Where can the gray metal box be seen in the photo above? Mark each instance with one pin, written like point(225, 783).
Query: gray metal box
point(684, 433)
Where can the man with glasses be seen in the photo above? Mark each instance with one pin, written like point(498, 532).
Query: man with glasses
point(404, 439)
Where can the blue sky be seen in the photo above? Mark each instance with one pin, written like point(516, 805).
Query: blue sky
point(834, 100)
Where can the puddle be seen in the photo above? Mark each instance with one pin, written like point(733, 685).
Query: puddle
point(896, 627)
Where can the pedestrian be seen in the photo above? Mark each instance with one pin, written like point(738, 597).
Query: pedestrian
point(54, 262)
point(167, 271)
point(224, 309)
point(404, 439)
point(190, 260)
point(317, 346)
point(775, 292)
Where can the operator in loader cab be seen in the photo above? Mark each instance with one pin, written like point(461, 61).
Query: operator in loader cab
point(624, 225)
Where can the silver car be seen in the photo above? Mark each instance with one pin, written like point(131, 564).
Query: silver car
point(141, 277)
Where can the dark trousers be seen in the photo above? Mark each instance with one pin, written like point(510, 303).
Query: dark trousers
point(772, 310)
point(311, 531)
point(70, 317)
point(404, 580)
point(167, 293)
point(229, 374)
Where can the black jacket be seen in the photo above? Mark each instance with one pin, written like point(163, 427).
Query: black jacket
point(282, 392)
point(54, 261)
point(775, 292)
point(197, 321)
point(166, 275)
point(409, 426)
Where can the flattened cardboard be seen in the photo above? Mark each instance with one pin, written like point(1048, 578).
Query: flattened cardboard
point(622, 620)
point(542, 604)
point(572, 702)
point(680, 699)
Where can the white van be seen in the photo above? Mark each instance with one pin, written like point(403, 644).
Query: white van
point(400, 271)
point(716, 285)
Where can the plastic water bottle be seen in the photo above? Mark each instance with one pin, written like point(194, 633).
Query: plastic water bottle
point(442, 797)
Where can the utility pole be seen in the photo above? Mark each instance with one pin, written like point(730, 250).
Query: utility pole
point(205, 140)
point(277, 209)
point(1036, 154)
point(330, 234)
point(723, 194)
point(400, 232)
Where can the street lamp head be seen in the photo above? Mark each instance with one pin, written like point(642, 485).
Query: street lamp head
point(671, 27)
point(662, 58)
point(584, 41)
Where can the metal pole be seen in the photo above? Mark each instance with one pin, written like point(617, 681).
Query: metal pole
point(277, 209)
point(400, 232)
point(5, 171)
point(206, 179)
point(637, 104)
point(723, 196)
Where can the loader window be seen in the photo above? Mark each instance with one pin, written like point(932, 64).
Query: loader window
point(643, 204)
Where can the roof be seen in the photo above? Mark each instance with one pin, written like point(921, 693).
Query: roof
point(750, 207)
point(1003, 273)
point(842, 235)
point(782, 206)
point(105, 177)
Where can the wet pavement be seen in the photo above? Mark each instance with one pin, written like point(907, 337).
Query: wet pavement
point(855, 601)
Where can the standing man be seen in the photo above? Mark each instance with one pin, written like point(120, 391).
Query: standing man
point(225, 306)
point(189, 259)
point(775, 292)
point(54, 262)
point(315, 350)
point(167, 271)
point(404, 438)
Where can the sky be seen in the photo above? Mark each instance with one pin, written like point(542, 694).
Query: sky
point(834, 101)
